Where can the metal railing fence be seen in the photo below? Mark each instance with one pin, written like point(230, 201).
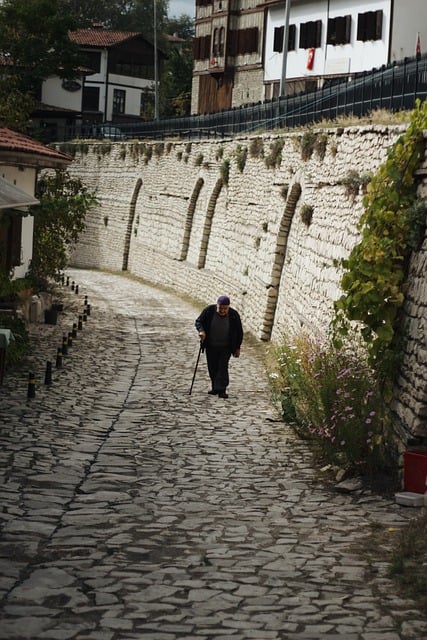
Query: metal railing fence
point(395, 87)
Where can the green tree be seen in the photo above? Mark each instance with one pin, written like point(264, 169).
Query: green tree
point(175, 83)
point(15, 104)
point(122, 15)
point(34, 33)
point(103, 12)
point(58, 221)
point(34, 37)
point(183, 26)
point(177, 70)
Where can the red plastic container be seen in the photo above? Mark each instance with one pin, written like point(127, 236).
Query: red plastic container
point(415, 471)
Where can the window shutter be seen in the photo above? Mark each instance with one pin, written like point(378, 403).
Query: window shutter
point(303, 36)
point(318, 31)
point(252, 40)
point(331, 33)
point(232, 43)
point(205, 47)
point(196, 48)
point(347, 30)
point(378, 24)
point(291, 37)
point(361, 26)
point(278, 39)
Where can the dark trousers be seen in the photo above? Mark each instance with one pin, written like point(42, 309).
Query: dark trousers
point(217, 358)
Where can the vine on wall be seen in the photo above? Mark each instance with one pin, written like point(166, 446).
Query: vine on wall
point(376, 270)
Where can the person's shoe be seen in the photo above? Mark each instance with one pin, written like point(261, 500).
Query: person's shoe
point(212, 392)
point(222, 394)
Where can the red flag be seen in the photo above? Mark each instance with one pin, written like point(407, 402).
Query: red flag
point(418, 46)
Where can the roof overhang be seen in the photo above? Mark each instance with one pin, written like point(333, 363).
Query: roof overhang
point(32, 160)
point(13, 198)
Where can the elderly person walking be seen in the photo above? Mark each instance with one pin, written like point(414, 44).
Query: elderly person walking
point(221, 334)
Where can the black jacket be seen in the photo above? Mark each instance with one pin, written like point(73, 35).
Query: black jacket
point(203, 323)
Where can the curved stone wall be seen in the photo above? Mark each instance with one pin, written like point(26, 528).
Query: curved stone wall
point(261, 218)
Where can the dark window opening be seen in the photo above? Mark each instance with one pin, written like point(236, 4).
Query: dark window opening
point(201, 48)
point(310, 35)
point(243, 41)
point(218, 42)
point(278, 38)
point(339, 30)
point(119, 101)
point(133, 70)
point(90, 99)
point(92, 59)
point(370, 25)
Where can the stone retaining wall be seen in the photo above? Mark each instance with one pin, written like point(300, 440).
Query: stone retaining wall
point(228, 216)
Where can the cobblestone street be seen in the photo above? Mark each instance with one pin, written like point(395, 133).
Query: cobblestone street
point(134, 510)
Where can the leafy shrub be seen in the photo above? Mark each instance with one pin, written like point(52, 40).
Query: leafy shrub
point(19, 347)
point(332, 397)
point(307, 214)
point(225, 170)
point(256, 149)
point(58, 221)
point(274, 158)
point(353, 182)
point(159, 149)
point(219, 153)
point(320, 145)
point(241, 154)
point(308, 141)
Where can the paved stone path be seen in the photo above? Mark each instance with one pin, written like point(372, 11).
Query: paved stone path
point(133, 510)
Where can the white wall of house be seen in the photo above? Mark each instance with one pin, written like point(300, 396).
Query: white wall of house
point(329, 60)
point(54, 94)
point(24, 179)
point(133, 88)
point(100, 79)
point(107, 83)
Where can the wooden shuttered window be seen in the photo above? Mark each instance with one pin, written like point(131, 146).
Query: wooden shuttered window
point(278, 38)
point(339, 30)
point(310, 34)
point(370, 25)
point(202, 48)
point(243, 41)
point(247, 40)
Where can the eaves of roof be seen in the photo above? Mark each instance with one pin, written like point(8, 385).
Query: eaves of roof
point(102, 37)
point(19, 149)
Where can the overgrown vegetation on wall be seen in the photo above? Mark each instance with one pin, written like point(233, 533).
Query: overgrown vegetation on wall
point(335, 388)
point(391, 227)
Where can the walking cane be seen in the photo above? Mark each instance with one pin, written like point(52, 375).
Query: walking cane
point(195, 368)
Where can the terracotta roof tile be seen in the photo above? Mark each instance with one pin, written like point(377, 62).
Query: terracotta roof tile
point(18, 142)
point(101, 37)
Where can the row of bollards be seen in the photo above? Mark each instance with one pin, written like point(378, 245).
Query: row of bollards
point(67, 343)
